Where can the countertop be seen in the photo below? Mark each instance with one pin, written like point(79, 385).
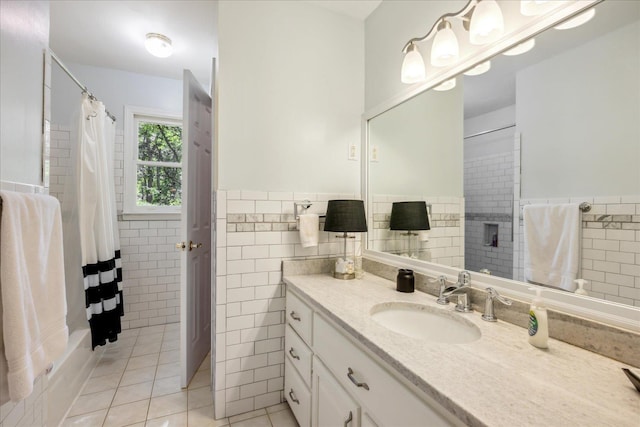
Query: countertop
point(498, 380)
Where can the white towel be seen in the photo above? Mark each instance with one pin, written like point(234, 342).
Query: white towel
point(552, 244)
point(32, 284)
point(309, 230)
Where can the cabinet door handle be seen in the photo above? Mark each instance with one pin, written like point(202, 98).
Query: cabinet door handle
point(356, 382)
point(295, 356)
point(348, 420)
point(293, 397)
point(294, 316)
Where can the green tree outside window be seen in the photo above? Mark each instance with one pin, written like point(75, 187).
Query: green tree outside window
point(159, 171)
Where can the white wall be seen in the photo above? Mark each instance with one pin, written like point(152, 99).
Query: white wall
point(115, 88)
point(579, 120)
point(419, 146)
point(387, 30)
point(23, 40)
point(291, 96)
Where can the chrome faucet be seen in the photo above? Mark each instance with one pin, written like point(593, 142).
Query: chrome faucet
point(492, 294)
point(442, 280)
point(461, 290)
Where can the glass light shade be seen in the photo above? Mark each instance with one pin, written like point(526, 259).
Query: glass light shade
point(447, 85)
point(158, 45)
point(521, 48)
point(444, 50)
point(413, 70)
point(487, 23)
point(583, 18)
point(479, 69)
point(535, 7)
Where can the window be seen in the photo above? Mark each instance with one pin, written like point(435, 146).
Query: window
point(153, 162)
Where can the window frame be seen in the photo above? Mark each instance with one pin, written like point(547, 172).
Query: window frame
point(132, 116)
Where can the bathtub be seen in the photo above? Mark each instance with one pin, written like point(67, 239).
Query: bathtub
point(69, 374)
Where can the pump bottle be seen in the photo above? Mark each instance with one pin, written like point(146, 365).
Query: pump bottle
point(538, 322)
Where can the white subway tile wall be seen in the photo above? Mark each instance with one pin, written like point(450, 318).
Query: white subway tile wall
point(610, 246)
point(255, 231)
point(488, 190)
point(150, 263)
point(443, 244)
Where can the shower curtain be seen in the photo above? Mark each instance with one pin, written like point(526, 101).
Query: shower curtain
point(91, 196)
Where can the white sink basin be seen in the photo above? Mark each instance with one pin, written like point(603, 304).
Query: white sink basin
point(425, 323)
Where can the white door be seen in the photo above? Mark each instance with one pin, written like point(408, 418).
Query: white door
point(195, 283)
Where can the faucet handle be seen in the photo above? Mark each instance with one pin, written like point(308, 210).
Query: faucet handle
point(442, 300)
point(464, 277)
point(492, 294)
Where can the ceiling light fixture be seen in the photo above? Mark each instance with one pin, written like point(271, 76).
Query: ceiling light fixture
point(479, 69)
point(583, 18)
point(487, 23)
point(413, 70)
point(446, 85)
point(535, 7)
point(521, 48)
point(158, 45)
point(444, 50)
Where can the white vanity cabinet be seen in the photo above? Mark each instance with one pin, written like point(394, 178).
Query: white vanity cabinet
point(298, 359)
point(331, 405)
point(347, 386)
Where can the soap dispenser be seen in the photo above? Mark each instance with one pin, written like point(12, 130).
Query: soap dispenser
point(581, 290)
point(538, 322)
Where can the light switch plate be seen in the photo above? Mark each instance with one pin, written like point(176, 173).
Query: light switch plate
point(353, 152)
point(375, 154)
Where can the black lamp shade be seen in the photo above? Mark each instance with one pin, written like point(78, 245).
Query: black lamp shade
point(409, 216)
point(345, 216)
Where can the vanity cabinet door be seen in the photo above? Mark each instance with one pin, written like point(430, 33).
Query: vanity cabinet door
point(331, 406)
point(390, 402)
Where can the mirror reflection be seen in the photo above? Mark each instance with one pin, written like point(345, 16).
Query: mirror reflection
point(554, 125)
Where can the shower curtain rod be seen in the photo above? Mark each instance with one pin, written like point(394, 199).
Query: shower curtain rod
point(489, 131)
point(76, 81)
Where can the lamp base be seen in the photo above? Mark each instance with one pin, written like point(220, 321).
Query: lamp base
point(344, 276)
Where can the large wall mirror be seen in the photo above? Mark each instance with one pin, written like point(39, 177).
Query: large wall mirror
point(557, 124)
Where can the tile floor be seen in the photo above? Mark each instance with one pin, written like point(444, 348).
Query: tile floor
point(137, 383)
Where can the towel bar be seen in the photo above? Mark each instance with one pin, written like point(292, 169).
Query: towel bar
point(584, 207)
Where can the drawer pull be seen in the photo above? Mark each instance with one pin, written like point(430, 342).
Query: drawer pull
point(295, 356)
point(293, 397)
point(348, 420)
point(353, 380)
point(294, 316)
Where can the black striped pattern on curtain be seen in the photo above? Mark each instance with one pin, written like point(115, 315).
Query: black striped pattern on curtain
point(103, 299)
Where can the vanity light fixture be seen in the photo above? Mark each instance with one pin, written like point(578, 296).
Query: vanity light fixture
point(479, 69)
point(446, 85)
point(158, 45)
point(521, 48)
point(487, 23)
point(583, 18)
point(413, 70)
point(481, 18)
point(535, 7)
point(444, 50)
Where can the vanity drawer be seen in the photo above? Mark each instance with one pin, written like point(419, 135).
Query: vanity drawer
point(298, 353)
point(299, 316)
point(297, 394)
point(351, 365)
